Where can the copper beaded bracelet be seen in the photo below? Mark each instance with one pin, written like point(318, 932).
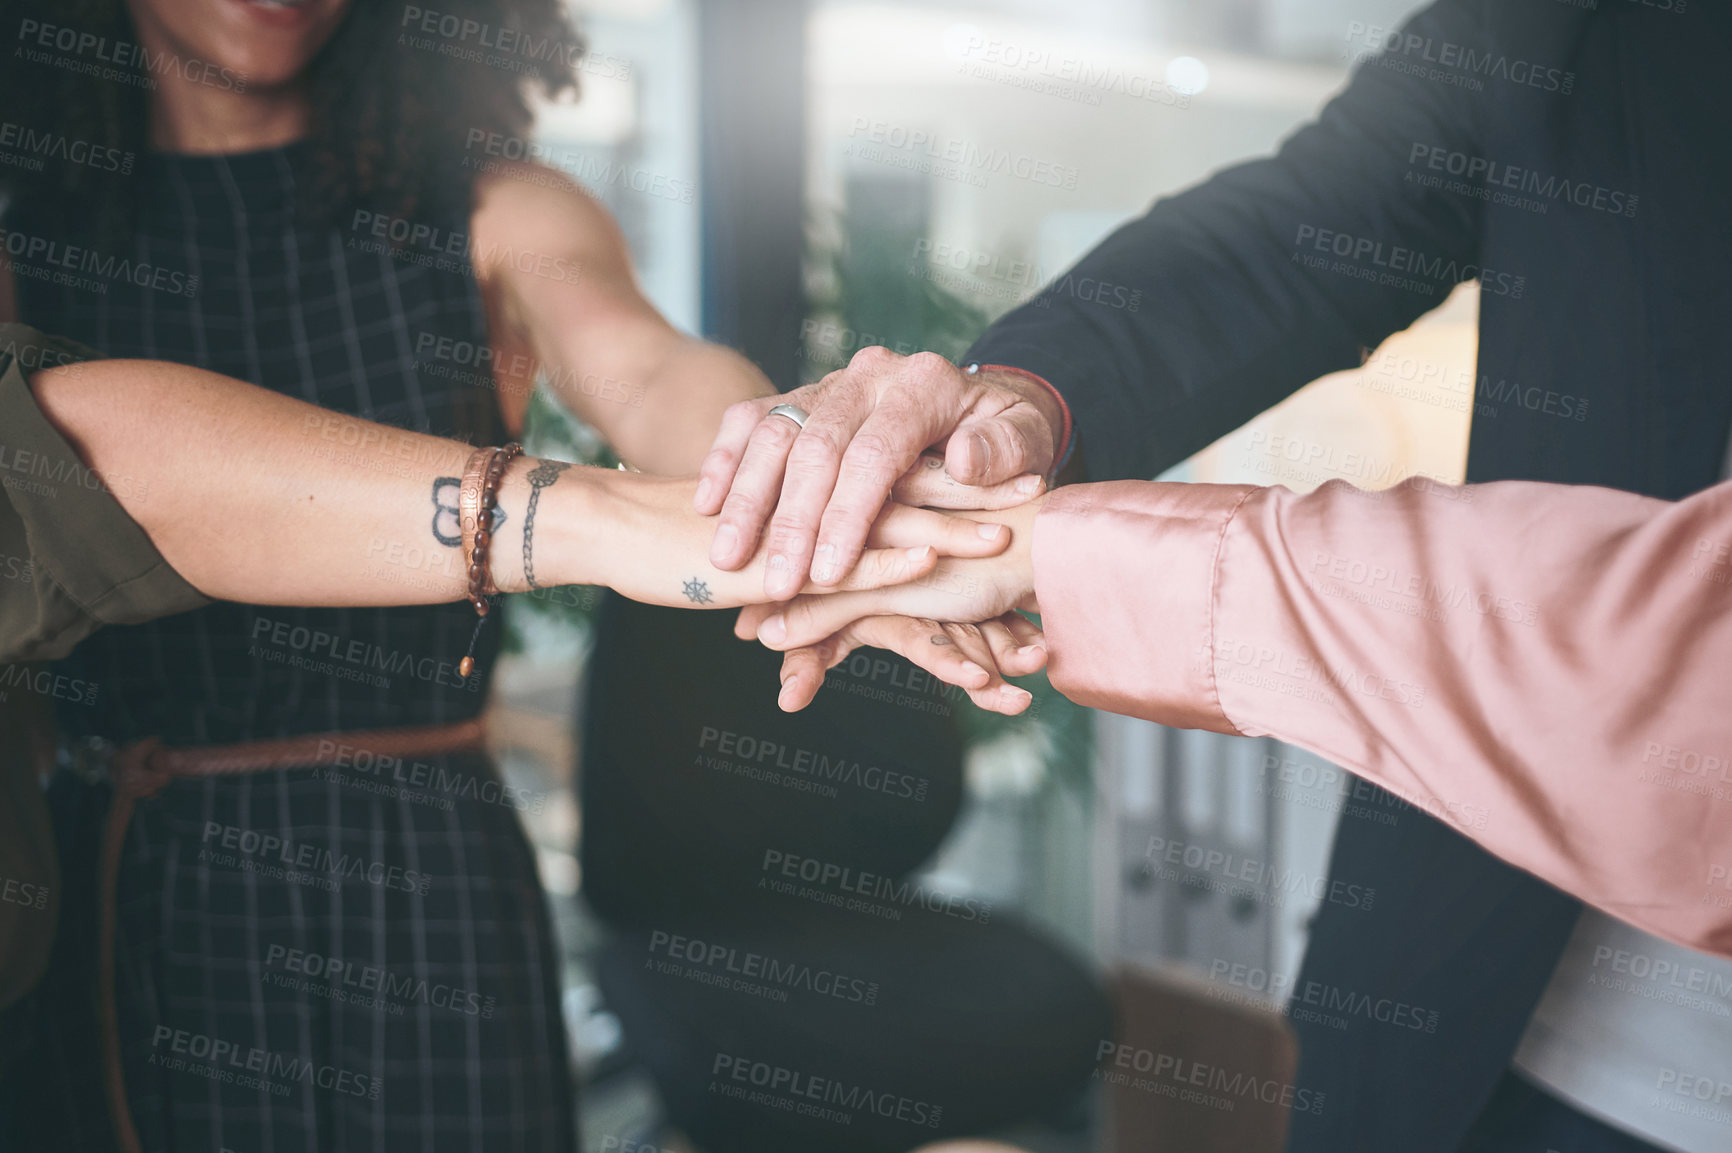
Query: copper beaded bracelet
point(475, 501)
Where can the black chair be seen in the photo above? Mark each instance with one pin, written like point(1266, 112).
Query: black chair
point(785, 982)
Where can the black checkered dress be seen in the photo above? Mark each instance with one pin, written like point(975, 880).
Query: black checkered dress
point(308, 963)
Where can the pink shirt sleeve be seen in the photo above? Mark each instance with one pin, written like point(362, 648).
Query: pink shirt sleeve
point(1546, 667)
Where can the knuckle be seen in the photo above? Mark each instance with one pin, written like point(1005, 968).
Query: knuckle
point(873, 476)
point(929, 370)
point(846, 542)
point(846, 384)
point(1013, 441)
point(872, 456)
point(745, 412)
point(843, 527)
point(873, 356)
point(788, 533)
point(929, 362)
point(716, 461)
point(856, 395)
point(775, 435)
point(817, 447)
point(742, 507)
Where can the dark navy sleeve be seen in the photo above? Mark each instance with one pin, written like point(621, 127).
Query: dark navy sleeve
point(1224, 299)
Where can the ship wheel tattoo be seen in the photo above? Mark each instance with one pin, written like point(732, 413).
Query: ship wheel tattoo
point(698, 592)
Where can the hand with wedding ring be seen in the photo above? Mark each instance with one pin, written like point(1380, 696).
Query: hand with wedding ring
point(809, 486)
point(891, 407)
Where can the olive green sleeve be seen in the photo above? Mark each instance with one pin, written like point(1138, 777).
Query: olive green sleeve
point(71, 559)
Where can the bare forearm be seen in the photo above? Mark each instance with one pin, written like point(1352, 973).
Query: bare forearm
point(654, 394)
point(258, 497)
point(663, 423)
point(684, 403)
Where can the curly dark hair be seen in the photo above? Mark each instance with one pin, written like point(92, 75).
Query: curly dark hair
point(389, 119)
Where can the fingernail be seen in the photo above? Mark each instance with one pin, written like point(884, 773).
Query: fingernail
point(980, 453)
point(774, 630)
point(972, 669)
point(825, 567)
point(1028, 486)
point(991, 531)
point(1011, 695)
point(919, 555)
point(780, 583)
point(727, 537)
point(785, 699)
point(704, 489)
point(1030, 650)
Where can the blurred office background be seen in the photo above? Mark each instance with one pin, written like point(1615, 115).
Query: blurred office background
point(757, 156)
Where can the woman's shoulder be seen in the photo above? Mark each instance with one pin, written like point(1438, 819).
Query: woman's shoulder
point(513, 187)
point(528, 210)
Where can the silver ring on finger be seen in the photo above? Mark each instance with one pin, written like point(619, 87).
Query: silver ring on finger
point(792, 411)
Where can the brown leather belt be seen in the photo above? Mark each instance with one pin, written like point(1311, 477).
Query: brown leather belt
point(143, 768)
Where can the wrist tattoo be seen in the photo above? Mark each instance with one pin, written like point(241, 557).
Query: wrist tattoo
point(447, 525)
point(698, 592)
point(447, 529)
point(540, 477)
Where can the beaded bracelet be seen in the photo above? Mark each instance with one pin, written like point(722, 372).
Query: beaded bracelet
point(475, 501)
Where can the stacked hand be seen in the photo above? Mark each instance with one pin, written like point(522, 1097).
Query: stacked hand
point(958, 621)
point(655, 548)
point(801, 503)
